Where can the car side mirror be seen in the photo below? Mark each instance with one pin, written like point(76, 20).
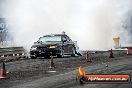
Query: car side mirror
point(38, 41)
point(64, 41)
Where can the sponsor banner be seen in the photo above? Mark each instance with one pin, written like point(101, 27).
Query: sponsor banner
point(108, 78)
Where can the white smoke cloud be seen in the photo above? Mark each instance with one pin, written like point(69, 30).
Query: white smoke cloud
point(92, 23)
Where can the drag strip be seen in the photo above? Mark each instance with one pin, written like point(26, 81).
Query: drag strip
point(67, 80)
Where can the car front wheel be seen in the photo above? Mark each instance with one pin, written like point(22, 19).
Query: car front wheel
point(61, 55)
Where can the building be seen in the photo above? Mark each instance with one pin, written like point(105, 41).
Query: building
point(5, 38)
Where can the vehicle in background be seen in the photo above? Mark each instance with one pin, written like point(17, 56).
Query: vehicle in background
point(55, 45)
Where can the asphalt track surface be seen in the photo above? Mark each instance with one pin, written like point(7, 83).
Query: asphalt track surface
point(67, 77)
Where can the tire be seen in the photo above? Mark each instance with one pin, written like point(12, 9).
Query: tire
point(61, 55)
point(47, 57)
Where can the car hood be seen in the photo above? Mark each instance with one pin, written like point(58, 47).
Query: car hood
point(46, 44)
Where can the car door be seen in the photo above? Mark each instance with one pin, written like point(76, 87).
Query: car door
point(67, 45)
point(70, 45)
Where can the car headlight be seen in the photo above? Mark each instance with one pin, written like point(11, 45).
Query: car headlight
point(33, 48)
point(52, 46)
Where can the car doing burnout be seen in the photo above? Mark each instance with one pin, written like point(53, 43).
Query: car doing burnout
point(55, 45)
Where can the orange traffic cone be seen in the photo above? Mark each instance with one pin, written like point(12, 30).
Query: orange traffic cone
point(88, 57)
point(3, 72)
point(129, 51)
point(52, 65)
point(111, 54)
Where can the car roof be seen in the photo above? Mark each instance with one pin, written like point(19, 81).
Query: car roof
point(55, 35)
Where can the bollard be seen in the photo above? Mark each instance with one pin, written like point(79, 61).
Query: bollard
point(129, 51)
point(52, 65)
point(3, 71)
point(88, 57)
point(111, 54)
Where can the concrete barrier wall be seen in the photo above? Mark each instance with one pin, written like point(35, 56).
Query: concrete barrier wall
point(106, 54)
point(11, 53)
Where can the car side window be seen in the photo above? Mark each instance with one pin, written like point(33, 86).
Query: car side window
point(64, 39)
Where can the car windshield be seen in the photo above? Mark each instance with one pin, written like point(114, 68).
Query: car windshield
point(50, 39)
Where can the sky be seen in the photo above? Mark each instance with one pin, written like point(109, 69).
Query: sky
point(92, 23)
